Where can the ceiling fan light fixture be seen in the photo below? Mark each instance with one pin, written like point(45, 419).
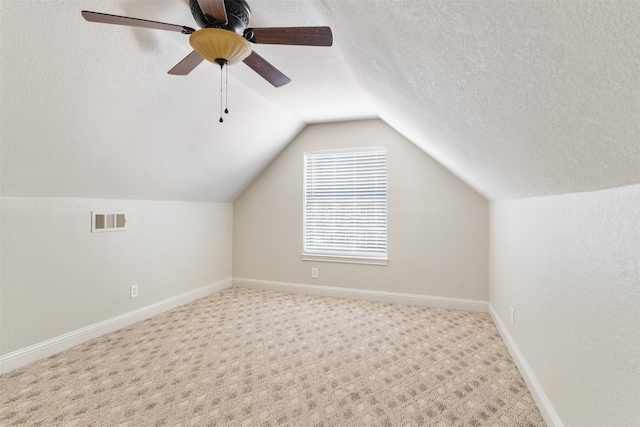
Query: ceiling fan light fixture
point(215, 43)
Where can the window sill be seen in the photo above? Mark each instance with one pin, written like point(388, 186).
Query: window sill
point(345, 259)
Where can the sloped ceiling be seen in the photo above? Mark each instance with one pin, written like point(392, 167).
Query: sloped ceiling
point(518, 98)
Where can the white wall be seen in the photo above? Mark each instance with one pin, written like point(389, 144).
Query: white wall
point(438, 227)
point(570, 267)
point(58, 277)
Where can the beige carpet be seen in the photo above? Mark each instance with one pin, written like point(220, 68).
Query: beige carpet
point(246, 357)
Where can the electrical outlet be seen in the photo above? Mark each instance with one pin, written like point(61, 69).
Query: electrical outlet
point(134, 291)
point(314, 273)
point(513, 316)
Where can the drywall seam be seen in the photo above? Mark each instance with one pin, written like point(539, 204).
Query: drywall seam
point(544, 405)
point(33, 353)
point(366, 294)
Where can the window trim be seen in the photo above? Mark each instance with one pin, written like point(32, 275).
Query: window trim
point(345, 259)
point(356, 258)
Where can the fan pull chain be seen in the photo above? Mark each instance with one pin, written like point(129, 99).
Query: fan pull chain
point(221, 67)
point(226, 89)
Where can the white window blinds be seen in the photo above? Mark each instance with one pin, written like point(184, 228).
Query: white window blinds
point(345, 203)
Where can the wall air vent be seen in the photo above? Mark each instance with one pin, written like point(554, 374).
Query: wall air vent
point(112, 221)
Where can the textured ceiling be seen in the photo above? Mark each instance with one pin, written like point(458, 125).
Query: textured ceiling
point(518, 98)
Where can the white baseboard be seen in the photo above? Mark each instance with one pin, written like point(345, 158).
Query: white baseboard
point(365, 294)
point(24, 356)
point(546, 409)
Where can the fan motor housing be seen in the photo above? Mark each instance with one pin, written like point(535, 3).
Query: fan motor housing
point(238, 15)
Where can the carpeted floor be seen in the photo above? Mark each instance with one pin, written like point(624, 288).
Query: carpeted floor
point(244, 357)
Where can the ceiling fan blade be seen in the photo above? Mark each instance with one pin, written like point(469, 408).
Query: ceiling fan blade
point(187, 65)
point(307, 36)
point(105, 18)
point(266, 70)
point(214, 9)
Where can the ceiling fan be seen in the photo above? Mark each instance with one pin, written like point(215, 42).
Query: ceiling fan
point(224, 37)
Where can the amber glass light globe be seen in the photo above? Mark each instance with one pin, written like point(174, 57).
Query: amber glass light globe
point(218, 44)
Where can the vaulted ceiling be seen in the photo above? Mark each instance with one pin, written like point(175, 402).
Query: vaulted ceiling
point(518, 98)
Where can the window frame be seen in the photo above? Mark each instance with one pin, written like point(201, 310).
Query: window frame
point(345, 256)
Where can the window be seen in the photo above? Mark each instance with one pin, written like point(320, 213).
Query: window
point(345, 205)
